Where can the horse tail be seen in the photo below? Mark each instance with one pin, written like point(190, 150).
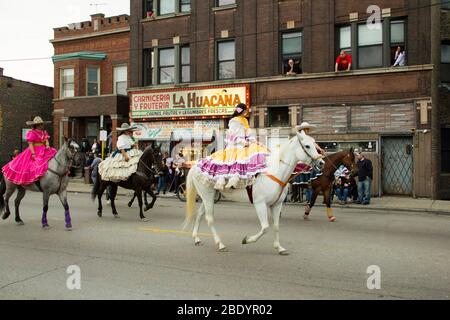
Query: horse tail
point(191, 195)
point(96, 188)
point(2, 193)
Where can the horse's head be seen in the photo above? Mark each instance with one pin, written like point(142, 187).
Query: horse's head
point(158, 156)
point(152, 158)
point(71, 148)
point(349, 162)
point(308, 152)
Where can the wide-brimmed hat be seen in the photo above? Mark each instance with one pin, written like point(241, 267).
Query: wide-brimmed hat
point(36, 121)
point(126, 127)
point(306, 125)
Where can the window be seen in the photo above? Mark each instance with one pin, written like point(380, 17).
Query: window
point(148, 9)
point(167, 65)
point(149, 65)
point(345, 39)
point(445, 53)
point(185, 5)
point(397, 38)
point(445, 4)
point(292, 50)
point(121, 80)
point(185, 64)
point(221, 3)
point(445, 140)
point(226, 66)
point(67, 83)
point(166, 7)
point(279, 117)
point(93, 81)
point(370, 45)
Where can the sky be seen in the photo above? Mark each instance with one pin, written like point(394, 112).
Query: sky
point(26, 26)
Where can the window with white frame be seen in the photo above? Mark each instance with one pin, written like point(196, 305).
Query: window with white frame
point(120, 80)
point(370, 45)
point(185, 5)
point(226, 56)
point(93, 81)
point(67, 83)
point(167, 65)
point(185, 64)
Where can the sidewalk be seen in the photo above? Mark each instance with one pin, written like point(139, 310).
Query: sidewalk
point(402, 204)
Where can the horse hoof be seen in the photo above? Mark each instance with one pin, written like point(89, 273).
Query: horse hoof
point(333, 219)
point(6, 215)
point(130, 205)
point(100, 214)
point(145, 220)
point(69, 228)
point(223, 250)
point(45, 226)
point(244, 242)
point(116, 216)
point(283, 253)
point(147, 208)
point(306, 217)
point(20, 223)
point(198, 243)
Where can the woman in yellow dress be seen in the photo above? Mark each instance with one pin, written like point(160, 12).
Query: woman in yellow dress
point(242, 159)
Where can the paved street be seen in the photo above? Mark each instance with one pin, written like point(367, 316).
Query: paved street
point(128, 259)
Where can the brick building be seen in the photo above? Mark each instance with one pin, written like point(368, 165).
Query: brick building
point(91, 77)
point(188, 54)
point(20, 101)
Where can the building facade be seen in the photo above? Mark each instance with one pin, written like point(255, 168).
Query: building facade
point(192, 60)
point(20, 101)
point(91, 64)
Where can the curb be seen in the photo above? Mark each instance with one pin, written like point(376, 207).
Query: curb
point(337, 207)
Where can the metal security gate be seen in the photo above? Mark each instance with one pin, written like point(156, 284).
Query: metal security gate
point(397, 165)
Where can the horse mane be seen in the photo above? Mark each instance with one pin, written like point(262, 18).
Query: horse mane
point(283, 150)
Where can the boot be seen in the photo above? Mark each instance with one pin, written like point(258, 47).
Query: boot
point(233, 182)
point(220, 184)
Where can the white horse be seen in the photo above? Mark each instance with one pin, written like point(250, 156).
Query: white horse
point(269, 191)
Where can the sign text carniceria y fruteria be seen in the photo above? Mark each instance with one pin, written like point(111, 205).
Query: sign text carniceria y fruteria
point(199, 102)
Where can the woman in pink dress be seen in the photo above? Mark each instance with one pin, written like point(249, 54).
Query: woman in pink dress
point(32, 163)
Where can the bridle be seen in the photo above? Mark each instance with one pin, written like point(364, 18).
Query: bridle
point(61, 175)
point(314, 159)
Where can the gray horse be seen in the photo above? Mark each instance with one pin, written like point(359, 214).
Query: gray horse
point(55, 181)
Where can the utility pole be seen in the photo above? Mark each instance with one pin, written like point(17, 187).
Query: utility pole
point(435, 114)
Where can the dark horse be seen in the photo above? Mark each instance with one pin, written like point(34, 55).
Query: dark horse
point(140, 181)
point(325, 181)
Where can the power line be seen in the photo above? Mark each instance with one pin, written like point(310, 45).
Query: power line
point(337, 21)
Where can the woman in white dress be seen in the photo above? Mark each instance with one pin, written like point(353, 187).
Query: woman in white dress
point(124, 161)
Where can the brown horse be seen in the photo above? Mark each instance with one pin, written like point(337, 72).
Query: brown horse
point(324, 182)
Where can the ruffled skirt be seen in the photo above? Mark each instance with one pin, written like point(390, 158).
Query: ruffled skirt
point(243, 163)
point(116, 169)
point(24, 171)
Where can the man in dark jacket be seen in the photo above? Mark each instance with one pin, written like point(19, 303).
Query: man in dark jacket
point(365, 177)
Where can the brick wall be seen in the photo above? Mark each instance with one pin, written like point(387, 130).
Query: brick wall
point(257, 28)
point(20, 102)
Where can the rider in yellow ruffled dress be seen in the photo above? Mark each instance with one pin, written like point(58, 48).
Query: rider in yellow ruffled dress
point(243, 158)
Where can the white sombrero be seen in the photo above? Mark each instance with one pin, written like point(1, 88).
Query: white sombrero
point(306, 125)
point(127, 127)
point(37, 121)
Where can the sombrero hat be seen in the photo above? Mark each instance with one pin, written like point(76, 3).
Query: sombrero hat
point(306, 125)
point(127, 127)
point(36, 121)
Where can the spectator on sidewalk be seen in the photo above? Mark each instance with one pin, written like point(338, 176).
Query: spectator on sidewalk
point(343, 62)
point(94, 167)
point(342, 186)
point(15, 154)
point(365, 177)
